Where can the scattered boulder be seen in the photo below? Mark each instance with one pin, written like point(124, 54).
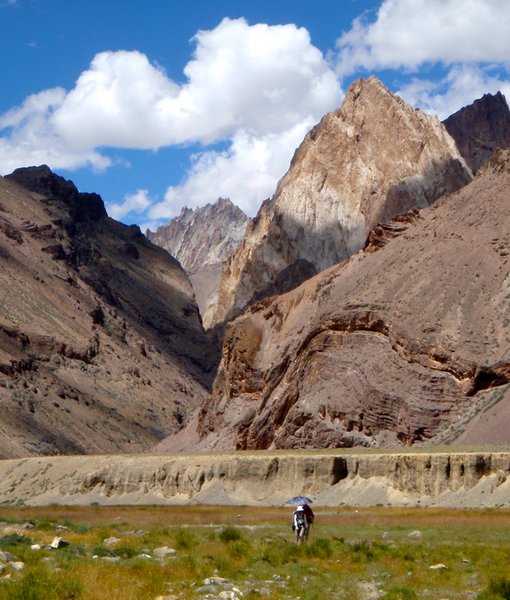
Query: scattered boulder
point(58, 542)
point(111, 541)
point(164, 551)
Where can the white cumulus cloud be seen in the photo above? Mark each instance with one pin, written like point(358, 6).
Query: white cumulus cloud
point(467, 39)
point(255, 88)
point(408, 33)
point(32, 140)
point(137, 203)
point(260, 77)
point(246, 173)
point(461, 85)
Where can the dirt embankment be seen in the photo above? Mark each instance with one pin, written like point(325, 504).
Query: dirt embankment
point(266, 478)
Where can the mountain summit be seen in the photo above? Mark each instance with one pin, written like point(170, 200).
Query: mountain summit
point(481, 128)
point(202, 240)
point(406, 344)
point(371, 159)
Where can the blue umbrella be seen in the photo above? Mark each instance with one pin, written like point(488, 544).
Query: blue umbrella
point(299, 500)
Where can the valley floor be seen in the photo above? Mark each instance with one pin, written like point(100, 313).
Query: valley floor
point(189, 552)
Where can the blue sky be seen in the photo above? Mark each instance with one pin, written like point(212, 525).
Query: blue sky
point(158, 104)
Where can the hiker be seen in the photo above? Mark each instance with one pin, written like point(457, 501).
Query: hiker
point(309, 513)
point(300, 524)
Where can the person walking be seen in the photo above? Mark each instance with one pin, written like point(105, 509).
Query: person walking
point(310, 517)
point(300, 524)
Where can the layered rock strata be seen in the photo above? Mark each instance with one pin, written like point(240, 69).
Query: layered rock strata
point(373, 158)
point(428, 479)
point(388, 347)
point(101, 344)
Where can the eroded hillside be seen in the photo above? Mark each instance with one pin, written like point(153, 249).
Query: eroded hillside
point(101, 343)
point(391, 346)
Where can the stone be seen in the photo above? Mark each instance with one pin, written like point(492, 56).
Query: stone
point(415, 535)
point(164, 551)
point(111, 541)
point(6, 556)
point(17, 565)
point(58, 542)
point(111, 559)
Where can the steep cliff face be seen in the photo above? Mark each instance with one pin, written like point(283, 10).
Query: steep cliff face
point(202, 240)
point(101, 344)
point(373, 158)
point(481, 128)
point(393, 345)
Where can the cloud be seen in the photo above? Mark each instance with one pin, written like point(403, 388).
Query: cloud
point(254, 88)
point(136, 203)
point(263, 78)
point(247, 172)
point(409, 33)
point(32, 139)
point(461, 85)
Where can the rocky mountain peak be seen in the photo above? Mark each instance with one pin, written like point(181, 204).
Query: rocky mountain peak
point(202, 239)
point(407, 342)
point(41, 180)
point(480, 128)
point(371, 159)
point(203, 236)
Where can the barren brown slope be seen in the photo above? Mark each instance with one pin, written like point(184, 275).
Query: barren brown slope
point(391, 345)
point(371, 159)
point(101, 344)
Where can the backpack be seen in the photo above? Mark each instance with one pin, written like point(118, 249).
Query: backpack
point(300, 518)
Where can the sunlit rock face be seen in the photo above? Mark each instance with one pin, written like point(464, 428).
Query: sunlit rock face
point(371, 159)
point(404, 343)
point(202, 240)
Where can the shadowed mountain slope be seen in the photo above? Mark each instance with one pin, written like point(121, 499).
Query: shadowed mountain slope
point(480, 129)
point(101, 343)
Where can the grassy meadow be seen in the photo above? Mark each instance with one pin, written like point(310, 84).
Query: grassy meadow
point(247, 552)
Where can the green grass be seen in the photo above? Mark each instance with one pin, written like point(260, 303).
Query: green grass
point(349, 553)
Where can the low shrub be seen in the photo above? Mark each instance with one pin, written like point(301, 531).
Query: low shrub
point(319, 548)
point(230, 534)
point(184, 539)
point(14, 539)
point(280, 552)
point(41, 584)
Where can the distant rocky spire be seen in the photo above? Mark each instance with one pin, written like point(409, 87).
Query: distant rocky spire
point(480, 128)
